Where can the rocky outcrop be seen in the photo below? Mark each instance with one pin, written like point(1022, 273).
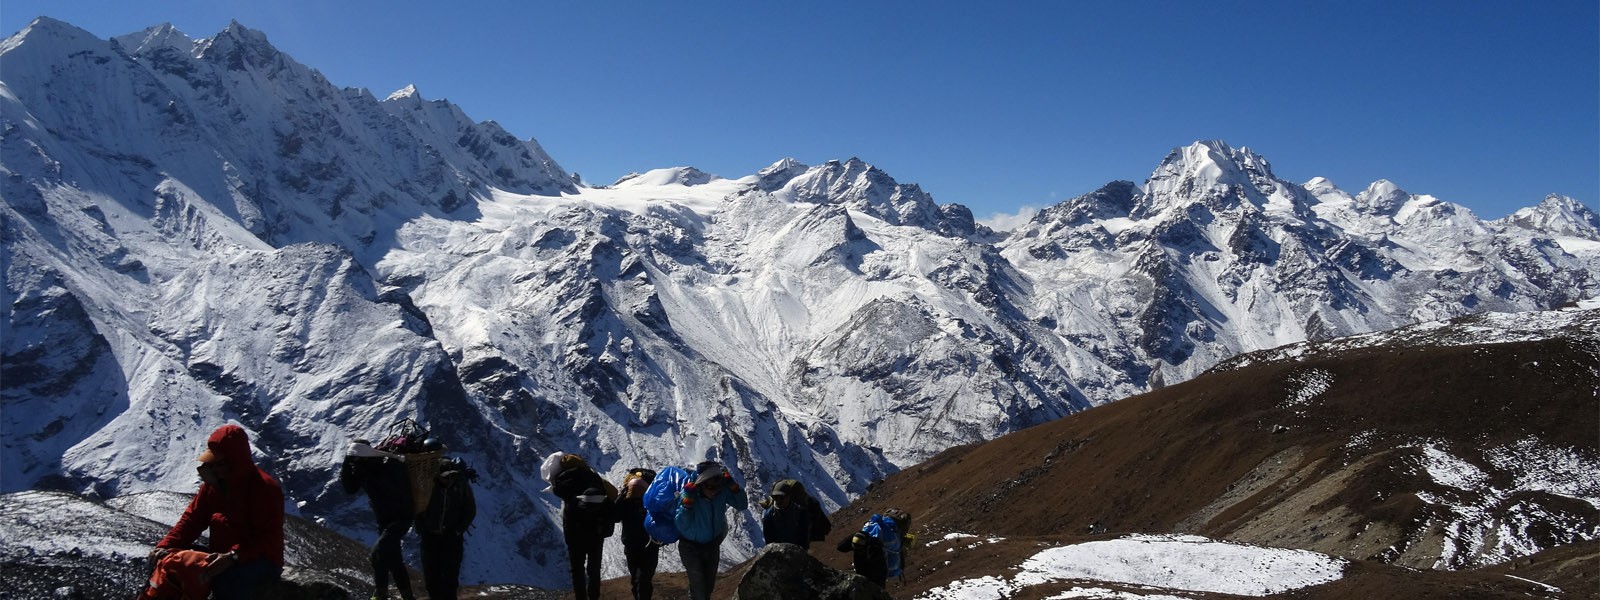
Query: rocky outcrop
point(787, 572)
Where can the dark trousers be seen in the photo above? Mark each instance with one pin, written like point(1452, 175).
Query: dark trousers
point(583, 554)
point(700, 563)
point(642, 569)
point(441, 563)
point(388, 562)
point(241, 581)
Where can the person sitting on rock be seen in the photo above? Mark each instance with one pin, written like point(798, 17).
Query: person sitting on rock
point(242, 506)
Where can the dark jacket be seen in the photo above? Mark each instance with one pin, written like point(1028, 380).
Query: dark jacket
point(788, 525)
point(870, 561)
point(244, 514)
point(579, 518)
point(630, 513)
point(452, 507)
point(386, 483)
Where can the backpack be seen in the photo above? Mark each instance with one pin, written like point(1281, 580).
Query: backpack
point(661, 501)
point(600, 513)
point(453, 507)
point(892, 529)
point(821, 526)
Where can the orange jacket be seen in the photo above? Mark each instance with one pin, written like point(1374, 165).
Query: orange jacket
point(180, 574)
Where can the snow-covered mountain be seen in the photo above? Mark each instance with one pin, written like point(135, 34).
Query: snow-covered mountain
point(1214, 256)
point(204, 231)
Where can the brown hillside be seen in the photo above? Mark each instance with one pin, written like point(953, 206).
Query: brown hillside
point(1229, 456)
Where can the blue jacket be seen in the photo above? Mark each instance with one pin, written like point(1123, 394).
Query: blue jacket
point(705, 520)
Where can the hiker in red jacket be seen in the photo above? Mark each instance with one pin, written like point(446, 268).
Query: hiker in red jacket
point(243, 507)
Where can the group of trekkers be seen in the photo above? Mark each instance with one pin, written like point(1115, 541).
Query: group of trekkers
point(690, 508)
point(411, 485)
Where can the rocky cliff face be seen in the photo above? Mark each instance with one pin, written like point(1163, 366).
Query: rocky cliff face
point(204, 231)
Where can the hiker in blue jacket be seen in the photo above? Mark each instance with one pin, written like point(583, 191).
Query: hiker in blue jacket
point(702, 520)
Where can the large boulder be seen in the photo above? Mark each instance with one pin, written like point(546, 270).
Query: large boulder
point(787, 572)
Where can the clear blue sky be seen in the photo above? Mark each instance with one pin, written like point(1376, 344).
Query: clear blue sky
point(995, 105)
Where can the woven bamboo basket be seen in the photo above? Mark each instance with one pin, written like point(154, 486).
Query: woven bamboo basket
point(423, 469)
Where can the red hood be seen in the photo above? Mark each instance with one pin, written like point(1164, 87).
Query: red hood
point(233, 445)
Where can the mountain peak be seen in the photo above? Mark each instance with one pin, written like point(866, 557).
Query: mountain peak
point(164, 35)
point(409, 92)
point(1559, 215)
point(1210, 172)
point(63, 38)
point(780, 173)
point(685, 176)
point(783, 165)
point(245, 36)
point(1382, 197)
point(238, 47)
point(1212, 161)
point(44, 25)
point(1326, 192)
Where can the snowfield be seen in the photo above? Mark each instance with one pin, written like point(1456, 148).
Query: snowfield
point(1162, 563)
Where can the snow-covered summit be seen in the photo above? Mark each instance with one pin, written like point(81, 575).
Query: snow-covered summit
point(150, 40)
point(685, 176)
point(862, 187)
point(1214, 174)
point(52, 36)
point(1558, 215)
point(409, 92)
point(1213, 241)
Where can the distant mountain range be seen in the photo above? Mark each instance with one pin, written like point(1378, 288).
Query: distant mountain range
point(195, 232)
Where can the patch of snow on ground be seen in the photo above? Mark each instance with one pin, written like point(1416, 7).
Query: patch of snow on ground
point(1105, 594)
point(1307, 385)
point(1168, 562)
point(1481, 528)
point(1543, 468)
point(951, 536)
point(982, 588)
point(1361, 440)
point(36, 517)
point(1447, 470)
